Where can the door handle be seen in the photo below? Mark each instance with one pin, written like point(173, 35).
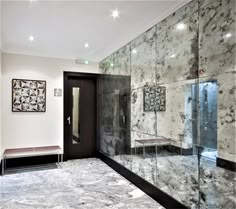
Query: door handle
point(68, 119)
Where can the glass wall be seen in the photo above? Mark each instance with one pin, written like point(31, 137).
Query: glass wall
point(168, 105)
point(217, 92)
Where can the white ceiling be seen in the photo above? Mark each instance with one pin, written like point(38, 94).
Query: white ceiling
point(61, 28)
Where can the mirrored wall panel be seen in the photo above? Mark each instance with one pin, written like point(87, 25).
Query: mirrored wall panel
point(169, 101)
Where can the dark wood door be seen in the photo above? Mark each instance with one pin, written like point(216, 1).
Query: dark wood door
point(79, 117)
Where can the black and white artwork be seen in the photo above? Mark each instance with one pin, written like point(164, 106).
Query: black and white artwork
point(28, 95)
point(154, 98)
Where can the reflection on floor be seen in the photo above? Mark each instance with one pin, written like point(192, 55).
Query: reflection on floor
point(211, 155)
point(178, 176)
point(82, 184)
point(31, 168)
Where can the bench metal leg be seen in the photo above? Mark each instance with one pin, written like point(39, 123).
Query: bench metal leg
point(59, 159)
point(156, 150)
point(144, 154)
point(156, 165)
point(3, 165)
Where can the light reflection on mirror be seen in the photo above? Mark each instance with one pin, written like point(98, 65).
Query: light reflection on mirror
point(75, 116)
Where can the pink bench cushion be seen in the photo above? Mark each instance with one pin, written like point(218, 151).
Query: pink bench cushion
point(31, 151)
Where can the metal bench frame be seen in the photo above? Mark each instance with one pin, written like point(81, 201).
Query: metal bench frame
point(31, 152)
point(151, 142)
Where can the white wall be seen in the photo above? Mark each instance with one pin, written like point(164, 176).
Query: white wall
point(35, 129)
point(0, 102)
point(0, 81)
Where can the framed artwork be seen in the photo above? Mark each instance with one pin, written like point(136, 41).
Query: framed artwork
point(154, 98)
point(28, 95)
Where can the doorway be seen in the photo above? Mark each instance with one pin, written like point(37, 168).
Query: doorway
point(205, 94)
point(80, 115)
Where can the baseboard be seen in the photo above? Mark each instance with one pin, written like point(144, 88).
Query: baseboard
point(181, 151)
point(226, 164)
point(161, 197)
point(169, 148)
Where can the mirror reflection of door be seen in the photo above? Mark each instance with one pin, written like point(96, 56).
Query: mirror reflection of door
point(75, 116)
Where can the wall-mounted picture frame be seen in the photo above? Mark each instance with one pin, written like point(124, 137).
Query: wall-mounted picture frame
point(28, 95)
point(154, 98)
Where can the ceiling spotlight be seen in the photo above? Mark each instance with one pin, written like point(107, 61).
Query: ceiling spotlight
point(31, 38)
point(115, 13)
point(112, 65)
point(181, 26)
point(86, 62)
point(86, 45)
point(173, 56)
point(228, 35)
point(134, 51)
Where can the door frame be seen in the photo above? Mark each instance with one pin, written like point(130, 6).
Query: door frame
point(78, 75)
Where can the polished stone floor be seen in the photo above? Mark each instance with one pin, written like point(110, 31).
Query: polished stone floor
point(82, 184)
point(182, 178)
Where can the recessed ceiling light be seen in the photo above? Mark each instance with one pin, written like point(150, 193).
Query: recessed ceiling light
point(181, 26)
point(228, 35)
point(31, 38)
point(173, 56)
point(86, 62)
point(115, 13)
point(86, 45)
point(134, 51)
point(112, 65)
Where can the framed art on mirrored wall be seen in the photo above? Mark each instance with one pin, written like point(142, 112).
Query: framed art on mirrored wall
point(154, 98)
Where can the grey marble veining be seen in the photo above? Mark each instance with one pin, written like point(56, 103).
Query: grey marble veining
point(121, 61)
point(85, 184)
point(226, 116)
point(149, 34)
point(143, 124)
point(173, 55)
point(178, 176)
point(217, 58)
point(115, 112)
point(143, 70)
point(169, 21)
point(143, 74)
point(182, 13)
point(107, 65)
point(177, 52)
point(174, 123)
point(217, 37)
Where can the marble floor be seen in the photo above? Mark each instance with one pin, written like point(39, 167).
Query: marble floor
point(180, 177)
point(82, 184)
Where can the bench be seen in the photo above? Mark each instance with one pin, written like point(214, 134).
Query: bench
point(152, 142)
point(31, 152)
